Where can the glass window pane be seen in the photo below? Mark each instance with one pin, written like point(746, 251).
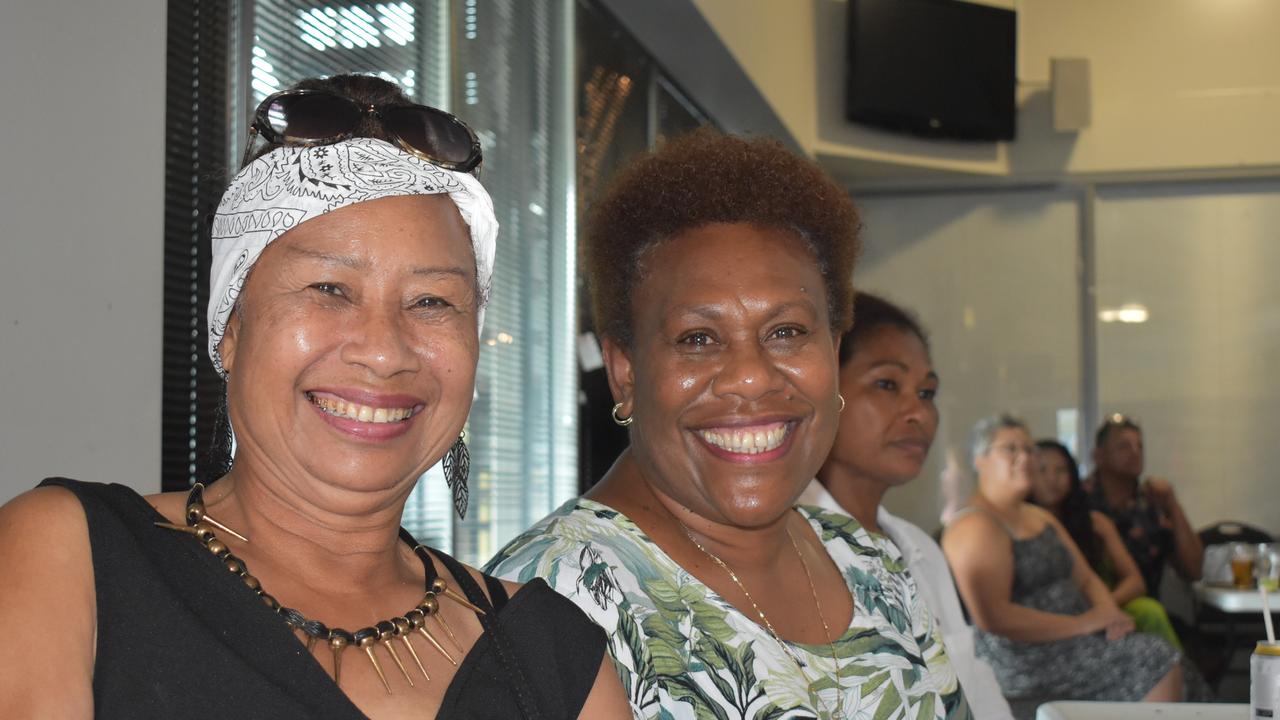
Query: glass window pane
point(514, 85)
point(1196, 265)
point(500, 66)
point(399, 41)
point(993, 279)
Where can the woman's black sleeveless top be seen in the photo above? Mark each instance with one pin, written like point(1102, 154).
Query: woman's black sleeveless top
point(179, 636)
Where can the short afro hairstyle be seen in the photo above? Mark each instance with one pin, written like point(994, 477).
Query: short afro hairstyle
point(703, 178)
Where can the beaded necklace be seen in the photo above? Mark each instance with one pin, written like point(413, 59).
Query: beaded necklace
point(201, 526)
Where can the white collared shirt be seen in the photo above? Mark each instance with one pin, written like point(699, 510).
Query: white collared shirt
point(933, 580)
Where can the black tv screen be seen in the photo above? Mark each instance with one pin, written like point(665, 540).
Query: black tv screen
point(938, 68)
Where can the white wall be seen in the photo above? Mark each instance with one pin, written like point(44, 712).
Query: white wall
point(81, 241)
point(1199, 374)
point(1177, 85)
point(1181, 88)
point(993, 279)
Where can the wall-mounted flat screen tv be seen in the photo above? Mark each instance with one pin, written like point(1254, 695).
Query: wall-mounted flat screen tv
point(938, 68)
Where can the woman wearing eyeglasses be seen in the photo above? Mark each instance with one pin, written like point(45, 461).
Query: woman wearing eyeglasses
point(351, 262)
point(1046, 624)
point(720, 275)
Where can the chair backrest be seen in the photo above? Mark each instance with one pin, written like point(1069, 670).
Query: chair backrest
point(1229, 531)
point(1217, 539)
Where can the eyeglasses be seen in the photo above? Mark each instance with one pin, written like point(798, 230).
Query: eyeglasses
point(1011, 450)
point(320, 117)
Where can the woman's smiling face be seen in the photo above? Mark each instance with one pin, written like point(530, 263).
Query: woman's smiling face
point(732, 374)
point(352, 355)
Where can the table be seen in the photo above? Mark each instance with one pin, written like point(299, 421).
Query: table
point(1233, 600)
point(1074, 710)
point(1246, 605)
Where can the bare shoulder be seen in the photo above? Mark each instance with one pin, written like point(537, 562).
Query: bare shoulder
point(973, 528)
point(46, 563)
point(969, 541)
point(1049, 519)
point(48, 606)
point(42, 525)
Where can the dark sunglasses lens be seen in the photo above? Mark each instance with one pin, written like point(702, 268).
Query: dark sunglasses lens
point(436, 134)
point(312, 117)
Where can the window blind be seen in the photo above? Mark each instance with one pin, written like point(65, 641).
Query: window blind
point(503, 66)
point(194, 172)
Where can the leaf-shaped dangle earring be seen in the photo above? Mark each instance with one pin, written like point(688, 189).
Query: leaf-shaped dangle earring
point(457, 466)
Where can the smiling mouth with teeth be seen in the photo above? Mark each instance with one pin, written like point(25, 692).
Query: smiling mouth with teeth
point(747, 440)
point(360, 413)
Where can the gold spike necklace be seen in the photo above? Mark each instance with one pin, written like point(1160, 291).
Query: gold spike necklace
point(201, 526)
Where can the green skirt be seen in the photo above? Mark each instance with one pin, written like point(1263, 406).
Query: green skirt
point(1149, 617)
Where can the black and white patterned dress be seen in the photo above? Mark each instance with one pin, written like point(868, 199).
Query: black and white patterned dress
point(1085, 667)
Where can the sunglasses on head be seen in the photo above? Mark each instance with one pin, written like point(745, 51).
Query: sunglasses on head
point(1119, 420)
point(320, 117)
point(1115, 421)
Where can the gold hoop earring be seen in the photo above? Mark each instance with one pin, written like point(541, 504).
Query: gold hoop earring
point(621, 421)
point(841, 402)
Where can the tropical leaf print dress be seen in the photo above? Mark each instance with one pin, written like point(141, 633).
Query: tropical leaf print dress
point(683, 652)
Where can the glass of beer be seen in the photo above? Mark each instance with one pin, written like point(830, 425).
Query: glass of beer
point(1242, 557)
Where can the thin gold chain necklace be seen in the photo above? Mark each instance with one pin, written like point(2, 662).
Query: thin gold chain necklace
point(764, 619)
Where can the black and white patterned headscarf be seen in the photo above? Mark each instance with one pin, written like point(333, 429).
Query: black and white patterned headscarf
point(291, 185)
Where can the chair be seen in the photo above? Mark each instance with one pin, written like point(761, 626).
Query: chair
point(1228, 531)
point(1217, 539)
point(1215, 628)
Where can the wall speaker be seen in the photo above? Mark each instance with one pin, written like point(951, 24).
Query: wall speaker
point(1069, 86)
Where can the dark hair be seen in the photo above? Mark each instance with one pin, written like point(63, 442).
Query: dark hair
point(702, 178)
point(365, 90)
point(1115, 421)
point(1074, 511)
point(872, 312)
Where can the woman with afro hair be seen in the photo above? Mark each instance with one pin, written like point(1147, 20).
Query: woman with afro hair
point(720, 274)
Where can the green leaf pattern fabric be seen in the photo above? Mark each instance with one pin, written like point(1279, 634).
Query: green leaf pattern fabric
point(683, 652)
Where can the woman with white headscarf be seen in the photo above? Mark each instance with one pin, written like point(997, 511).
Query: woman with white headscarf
point(351, 264)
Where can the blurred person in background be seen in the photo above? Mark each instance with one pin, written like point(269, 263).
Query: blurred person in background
point(1146, 512)
point(1049, 627)
point(1058, 489)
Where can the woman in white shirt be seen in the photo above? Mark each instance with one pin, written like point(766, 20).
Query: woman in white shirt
point(888, 383)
